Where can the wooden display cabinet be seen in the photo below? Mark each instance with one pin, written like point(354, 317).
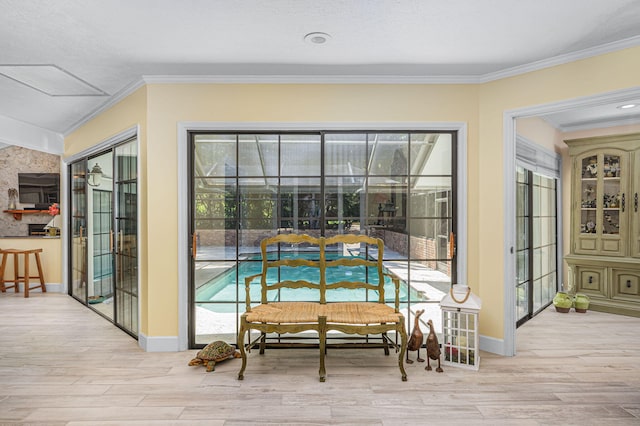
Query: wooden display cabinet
point(604, 260)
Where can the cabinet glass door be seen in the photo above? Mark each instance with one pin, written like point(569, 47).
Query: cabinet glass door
point(588, 203)
point(603, 203)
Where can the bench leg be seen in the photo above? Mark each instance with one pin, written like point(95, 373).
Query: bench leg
point(403, 348)
point(322, 337)
point(243, 353)
point(386, 346)
point(263, 343)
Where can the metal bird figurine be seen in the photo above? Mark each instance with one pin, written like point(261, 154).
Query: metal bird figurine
point(415, 340)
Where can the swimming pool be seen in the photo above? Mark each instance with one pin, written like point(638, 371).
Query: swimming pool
point(229, 286)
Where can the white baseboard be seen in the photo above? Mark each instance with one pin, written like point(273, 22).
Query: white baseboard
point(51, 287)
point(158, 343)
point(493, 345)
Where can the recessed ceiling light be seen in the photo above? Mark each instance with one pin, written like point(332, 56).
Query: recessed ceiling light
point(317, 38)
point(627, 106)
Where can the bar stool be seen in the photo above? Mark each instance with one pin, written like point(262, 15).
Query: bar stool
point(4, 287)
point(17, 278)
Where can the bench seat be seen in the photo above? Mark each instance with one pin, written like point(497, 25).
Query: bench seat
point(338, 312)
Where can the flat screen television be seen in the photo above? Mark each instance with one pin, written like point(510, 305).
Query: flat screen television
point(40, 189)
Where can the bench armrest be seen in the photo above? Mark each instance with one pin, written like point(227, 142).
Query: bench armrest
point(247, 286)
point(396, 282)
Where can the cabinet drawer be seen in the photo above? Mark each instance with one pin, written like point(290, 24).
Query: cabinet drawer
point(626, 284)
point(591, 280)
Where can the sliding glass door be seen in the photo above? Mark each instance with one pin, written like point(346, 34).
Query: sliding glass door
point(537, 266)
point(397, 186)
point(103, 243)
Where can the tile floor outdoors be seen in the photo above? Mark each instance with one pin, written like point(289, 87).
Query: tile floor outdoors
point(62, 364)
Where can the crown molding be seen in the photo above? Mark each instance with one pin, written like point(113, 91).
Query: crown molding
point(117, 97)
point(354, 79)
point(561, 59)
point(579, 102)
point(595, 124)
point(309, 79)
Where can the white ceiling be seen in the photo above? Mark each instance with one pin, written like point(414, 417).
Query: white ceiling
point(110, 45)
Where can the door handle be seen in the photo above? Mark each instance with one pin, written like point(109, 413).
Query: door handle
point(194, 247)
point(111, 240)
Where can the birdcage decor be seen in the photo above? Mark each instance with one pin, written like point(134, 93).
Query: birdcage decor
point(460, 331)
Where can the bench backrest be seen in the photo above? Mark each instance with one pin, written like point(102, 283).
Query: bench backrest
point(354, 262)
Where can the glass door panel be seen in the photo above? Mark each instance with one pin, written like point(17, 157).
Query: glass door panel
point(536, 264)
point(523, 282)
point(78, 232)
point(126, 236)
point(215, 215)
point(100, 241)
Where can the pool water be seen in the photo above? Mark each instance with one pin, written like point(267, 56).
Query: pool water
point(223, 288)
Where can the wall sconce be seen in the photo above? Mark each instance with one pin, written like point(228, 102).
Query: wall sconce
point(95, 176)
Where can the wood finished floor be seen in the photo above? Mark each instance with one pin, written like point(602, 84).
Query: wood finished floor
point(61, 364)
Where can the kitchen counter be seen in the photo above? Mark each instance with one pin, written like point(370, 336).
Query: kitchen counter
point(51, 257)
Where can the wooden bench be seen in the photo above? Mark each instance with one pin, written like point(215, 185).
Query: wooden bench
point(323, 278)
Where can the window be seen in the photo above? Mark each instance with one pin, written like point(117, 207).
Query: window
point(397, 186)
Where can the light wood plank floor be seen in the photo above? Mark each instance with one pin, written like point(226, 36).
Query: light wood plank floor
point(61, 364)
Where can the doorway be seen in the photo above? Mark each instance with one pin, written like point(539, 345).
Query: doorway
point(537, 243)
point(103, 233)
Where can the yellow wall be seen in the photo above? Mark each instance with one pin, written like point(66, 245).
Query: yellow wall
point(601, 74)
point(130, 112)
point(50, 258)
point(480, 106)
point(173, 103)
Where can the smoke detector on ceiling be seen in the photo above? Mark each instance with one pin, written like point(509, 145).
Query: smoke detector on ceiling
point(317, 38)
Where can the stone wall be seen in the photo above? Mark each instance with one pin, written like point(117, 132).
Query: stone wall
point(14, 160)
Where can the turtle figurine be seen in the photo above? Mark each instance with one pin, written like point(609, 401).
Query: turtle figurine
point(214, 352)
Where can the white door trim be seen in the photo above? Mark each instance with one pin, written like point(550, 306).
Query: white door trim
point(183, 187)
